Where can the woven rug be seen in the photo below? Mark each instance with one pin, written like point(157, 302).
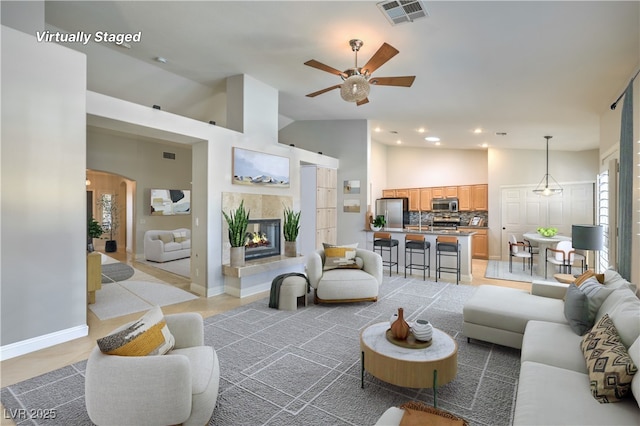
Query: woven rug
point(303, 367)
point(499, 269)
point(112, 272)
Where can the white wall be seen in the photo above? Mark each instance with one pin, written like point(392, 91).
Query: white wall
point(43, 202)
point(424, 167)
point(377, 172)
point(347, 140)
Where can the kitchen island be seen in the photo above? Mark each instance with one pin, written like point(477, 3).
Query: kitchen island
point(466, 250)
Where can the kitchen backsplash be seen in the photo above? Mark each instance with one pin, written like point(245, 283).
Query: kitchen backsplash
point(465, 217)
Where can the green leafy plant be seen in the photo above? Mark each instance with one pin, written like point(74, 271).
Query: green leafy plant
point(379, 221)
point(547, 232)
point(94, 230)
point(237, 220)
point(291, 224)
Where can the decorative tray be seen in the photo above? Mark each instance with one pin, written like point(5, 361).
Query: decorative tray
point(410, 342)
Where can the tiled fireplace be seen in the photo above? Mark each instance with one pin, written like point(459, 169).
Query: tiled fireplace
point(263, 239)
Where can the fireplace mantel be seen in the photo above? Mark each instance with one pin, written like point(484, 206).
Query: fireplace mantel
point(256, 275)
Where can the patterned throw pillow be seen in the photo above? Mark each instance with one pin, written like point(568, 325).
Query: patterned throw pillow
point(166, 238)
point(608, 362)
point(340, 258)
point(147, 336)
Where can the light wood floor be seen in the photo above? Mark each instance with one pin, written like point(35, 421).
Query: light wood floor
point(27, 366)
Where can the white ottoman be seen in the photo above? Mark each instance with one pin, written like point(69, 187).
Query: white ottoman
point(290, 289)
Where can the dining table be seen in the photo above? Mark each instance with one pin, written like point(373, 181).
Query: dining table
point(544, 242)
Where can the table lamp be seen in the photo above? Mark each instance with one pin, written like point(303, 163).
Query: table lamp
point(587, 237)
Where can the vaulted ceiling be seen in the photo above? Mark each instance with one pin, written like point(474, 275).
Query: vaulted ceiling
point(527, 69)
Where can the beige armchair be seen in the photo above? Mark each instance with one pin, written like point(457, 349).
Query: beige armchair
point(345, 285)
point(180, 387)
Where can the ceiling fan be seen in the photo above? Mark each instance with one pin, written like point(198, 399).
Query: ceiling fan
point(357, 80)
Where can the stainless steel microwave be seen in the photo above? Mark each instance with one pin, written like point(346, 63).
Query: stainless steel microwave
point(444, 205)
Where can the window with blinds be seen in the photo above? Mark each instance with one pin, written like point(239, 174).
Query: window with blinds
point(602, 262)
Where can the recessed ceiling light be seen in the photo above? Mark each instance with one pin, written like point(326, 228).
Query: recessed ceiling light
point(377, 130)
point(437, 144)
point(432, 139)
point(421, 130)
point(398, 141)
point(477, 130)
point(485, 145)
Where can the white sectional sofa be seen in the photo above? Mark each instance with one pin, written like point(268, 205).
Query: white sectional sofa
point(554, 384)
point(166, 245)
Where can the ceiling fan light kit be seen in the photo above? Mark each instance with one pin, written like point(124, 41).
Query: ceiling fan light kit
point(547, 190)
point(357, 81)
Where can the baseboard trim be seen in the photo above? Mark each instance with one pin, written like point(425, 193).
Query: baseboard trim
point(24, 347)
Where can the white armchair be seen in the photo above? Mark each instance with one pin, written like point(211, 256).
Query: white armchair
point(180, 387)
point(345, 285)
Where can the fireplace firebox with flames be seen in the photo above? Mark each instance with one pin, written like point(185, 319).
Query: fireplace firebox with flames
point(262, 239)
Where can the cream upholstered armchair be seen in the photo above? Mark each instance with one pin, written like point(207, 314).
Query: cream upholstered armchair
point(180, 387)
point(345, 285)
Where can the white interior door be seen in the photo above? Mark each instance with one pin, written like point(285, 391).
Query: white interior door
point(523, 211)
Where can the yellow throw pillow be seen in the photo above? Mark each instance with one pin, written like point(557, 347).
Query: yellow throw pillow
point(179, 236)
point(147, 336)
point(609, 365)
point(340, 258)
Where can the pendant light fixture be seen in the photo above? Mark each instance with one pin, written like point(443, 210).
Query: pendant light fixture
point(547, 190)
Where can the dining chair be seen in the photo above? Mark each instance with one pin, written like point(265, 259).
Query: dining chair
point(563, 256)
point(522, 250)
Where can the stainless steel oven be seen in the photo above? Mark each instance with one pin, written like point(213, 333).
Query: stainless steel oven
point(449, 205)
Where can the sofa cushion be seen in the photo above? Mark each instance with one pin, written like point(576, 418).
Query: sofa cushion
point(634, 353)
point(596, 294)
point(613, 279)
point(166, 237)
point(548, 395)
point(553, 344)
point(623, 307)
point(510, 309)
point(576, 310)
point(147, 336)
point(172, 246)
point(608, 362)
point(186, 244)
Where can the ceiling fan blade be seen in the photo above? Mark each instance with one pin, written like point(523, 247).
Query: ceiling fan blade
point(319, 65)
point(320, 92)
point(405, 81)
point(383, 54)
point(362, 102)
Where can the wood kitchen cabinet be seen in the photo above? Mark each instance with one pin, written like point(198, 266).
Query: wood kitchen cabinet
point(450, 191)
point(480, 197)
point(425, 199)
point(464, 198)
point(414, 199)
point(402, 193)
point(479, 242)
point(437, 192)
point(388, 192)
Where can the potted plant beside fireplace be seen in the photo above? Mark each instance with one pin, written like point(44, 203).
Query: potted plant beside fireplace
point(291, 229)
point(237, 220)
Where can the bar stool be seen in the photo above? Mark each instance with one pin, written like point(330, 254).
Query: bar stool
point(447, 247)
point(384, 242)
point(417, 243)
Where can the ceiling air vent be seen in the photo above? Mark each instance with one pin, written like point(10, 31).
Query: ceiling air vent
point(169, 155)
point(399, 11)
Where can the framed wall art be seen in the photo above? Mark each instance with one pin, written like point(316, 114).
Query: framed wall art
point(351, 187)
point(260, 169)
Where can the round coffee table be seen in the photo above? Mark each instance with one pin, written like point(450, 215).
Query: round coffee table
point(430, 367)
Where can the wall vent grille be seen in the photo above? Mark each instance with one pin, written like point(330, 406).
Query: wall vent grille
point(399, 11)
point(169, 155)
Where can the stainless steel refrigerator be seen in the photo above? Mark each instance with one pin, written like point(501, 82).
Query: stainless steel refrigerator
point(394, 210)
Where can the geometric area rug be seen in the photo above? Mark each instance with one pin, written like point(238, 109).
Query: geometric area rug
point(303, 367)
